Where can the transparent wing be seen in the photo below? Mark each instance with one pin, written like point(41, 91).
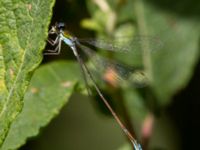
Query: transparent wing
point(113, 72)
point(126, 44)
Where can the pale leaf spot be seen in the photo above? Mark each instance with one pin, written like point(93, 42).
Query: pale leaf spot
point(66, 84)
point(110, 77)
point(34, 90)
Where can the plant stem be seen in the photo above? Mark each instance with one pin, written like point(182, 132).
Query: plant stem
point(142, 27)
point(112, 17)
point(139, 11)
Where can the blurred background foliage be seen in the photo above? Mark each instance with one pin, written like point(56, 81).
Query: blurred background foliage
point(162, 116)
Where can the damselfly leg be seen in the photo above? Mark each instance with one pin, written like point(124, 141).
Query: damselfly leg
point(55, 51)
point(53, 42)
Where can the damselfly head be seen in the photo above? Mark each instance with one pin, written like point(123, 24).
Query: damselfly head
point(57, 28)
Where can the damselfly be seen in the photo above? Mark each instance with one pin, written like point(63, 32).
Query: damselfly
point(74, 43)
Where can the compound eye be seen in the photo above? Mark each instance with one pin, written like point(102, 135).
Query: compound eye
point(61, 25)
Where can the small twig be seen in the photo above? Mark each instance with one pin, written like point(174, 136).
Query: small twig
point(112, 17)
point(103, 5)
point(139, 10)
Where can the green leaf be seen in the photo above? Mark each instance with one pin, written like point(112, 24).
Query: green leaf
point(23, 30)
point(49, 90)
point(174, 63)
